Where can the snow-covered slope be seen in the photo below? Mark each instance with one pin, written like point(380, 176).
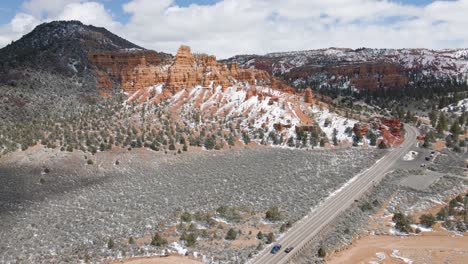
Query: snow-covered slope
point(437, 62)
point(458, 108)
point(363, 69)
point(251, 108)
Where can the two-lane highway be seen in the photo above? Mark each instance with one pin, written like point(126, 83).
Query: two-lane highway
point(305, 230)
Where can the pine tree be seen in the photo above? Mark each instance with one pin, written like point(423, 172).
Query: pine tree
point(382, 145)
point(335, 139)
point(231, 234)
point(110, 243)
point(321, 252)
point(260, 235)
point(455, 129)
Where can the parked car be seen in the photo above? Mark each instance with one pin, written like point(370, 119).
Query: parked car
point(275, 249)
point(428, 158)
point(288, 249)
point(423, 165)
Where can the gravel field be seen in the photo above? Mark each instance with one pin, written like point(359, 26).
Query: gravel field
point(78, 207)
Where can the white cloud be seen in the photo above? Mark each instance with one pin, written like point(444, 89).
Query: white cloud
point(18, 26)
point(46, 8)
point(232, 27)
point(23, 23)
point(91, 13)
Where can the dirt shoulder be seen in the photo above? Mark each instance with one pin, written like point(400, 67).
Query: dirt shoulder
point(158, 260)
point(435, 248)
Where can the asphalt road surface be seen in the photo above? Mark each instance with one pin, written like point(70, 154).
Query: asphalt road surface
point(305, 230)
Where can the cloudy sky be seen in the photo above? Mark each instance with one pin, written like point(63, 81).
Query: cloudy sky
point(229, 27)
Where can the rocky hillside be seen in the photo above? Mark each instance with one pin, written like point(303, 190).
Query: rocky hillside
point(248, 99)
point(60, 46)
point(200, 98)
point(63, 48)
point(362, 69)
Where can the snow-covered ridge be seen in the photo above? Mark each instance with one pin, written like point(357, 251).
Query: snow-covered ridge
point(253, 108)
point(441, 63)
point(458, 108)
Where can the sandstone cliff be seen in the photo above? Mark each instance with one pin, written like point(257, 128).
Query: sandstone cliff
point(135, 70)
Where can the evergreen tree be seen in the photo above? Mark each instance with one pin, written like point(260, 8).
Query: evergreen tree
point(335, 139)
point(270, 238)
point(231, 234)
point(110, 243)
point(455, 129)
point(260, 235)
point(245, 138)
point(158, 241)
point(321, 252)
point(382, 145)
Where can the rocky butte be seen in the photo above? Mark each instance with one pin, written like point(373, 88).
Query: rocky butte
point(136, 70)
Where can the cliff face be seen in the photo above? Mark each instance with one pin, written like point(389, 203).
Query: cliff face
point(363, 76)
point(190, 69)
point(131, 70)
point(136, 70)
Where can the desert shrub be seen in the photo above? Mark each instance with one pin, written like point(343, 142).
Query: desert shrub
point(110, 243)
point(260, 235)
point(382, 145)
point(427, 220)
point(273, 214)
point(231, 234)
point(158, 241)
point(402, 222)
point(186, 217)
point(270, 238)
point(321, 252)
point(229, 213)
point(282, 228)
point(189, 238)
point(442, 214)
point(366, 206)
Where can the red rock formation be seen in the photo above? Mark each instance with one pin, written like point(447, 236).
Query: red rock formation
point(308, 97)
point(364, 76)
point(361, 128)
point(141, 69)
point(132, 70)
point(189, 70)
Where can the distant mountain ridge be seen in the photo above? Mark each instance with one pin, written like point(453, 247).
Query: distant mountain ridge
point(360, 69)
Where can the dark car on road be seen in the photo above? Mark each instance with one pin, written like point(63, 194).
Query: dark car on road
point(275, 249)
point(288, 249)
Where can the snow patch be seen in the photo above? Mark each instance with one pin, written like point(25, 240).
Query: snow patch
point(396, 254)
point(422, 228)
point(410, 155)
point(178, 248)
